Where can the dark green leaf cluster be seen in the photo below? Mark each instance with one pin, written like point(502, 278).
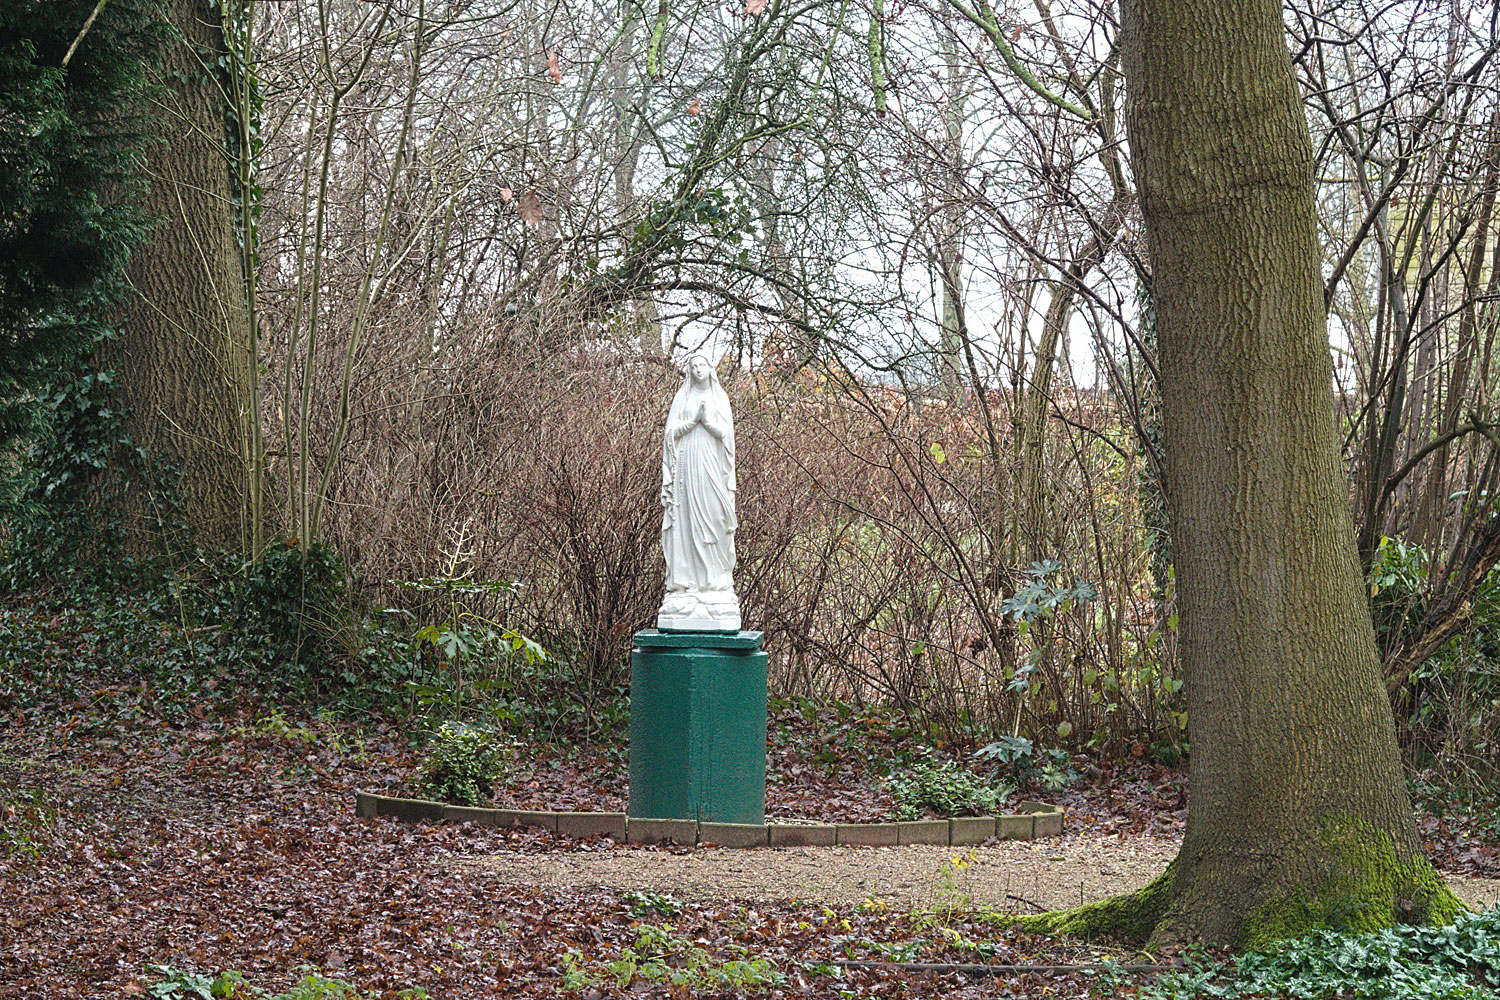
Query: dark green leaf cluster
point(463, 763)
point(1022, 762)
point(712, 212)
point(70, 206)
point(1397, 581)
point(945, 788)
point(290, 605)
point(1453, 962)
point(53, 497)
point(1450, 704)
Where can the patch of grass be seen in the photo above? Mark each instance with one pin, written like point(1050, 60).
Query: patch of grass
point(26, 817)
point(658, 956)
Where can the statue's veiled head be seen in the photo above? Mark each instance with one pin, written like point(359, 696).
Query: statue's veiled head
point(700, 370)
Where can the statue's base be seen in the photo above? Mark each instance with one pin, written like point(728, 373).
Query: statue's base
point(696, 623)
point(699, 611)
point(698, 726)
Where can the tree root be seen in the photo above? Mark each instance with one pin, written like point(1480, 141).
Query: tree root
point(1359, 885)
point(1128, 918)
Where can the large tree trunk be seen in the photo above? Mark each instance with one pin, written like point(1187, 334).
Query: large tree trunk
point(1299, 812)
point(183, 356)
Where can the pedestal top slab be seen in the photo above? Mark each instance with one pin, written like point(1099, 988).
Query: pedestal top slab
point(702, 640)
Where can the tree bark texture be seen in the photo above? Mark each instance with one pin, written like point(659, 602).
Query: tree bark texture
point(183, 356)
point(1299, 812)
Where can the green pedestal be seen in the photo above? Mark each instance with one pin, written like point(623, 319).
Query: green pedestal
point(698, 726)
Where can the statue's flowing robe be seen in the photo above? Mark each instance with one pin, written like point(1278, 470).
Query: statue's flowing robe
point(698, 486)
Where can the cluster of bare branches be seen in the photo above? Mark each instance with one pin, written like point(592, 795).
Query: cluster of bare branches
point(912, 234)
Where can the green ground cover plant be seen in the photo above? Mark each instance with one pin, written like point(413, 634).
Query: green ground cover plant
point(945, 788)
point(1459, 961)
point(464, 762)
point(70, 216)
point(659, 956)
point(1022, 762)
point(284, 628)
point(183, 984)
point(289, 632)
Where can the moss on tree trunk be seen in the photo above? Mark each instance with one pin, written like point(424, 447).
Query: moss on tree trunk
point(1364, 887)
point(1130, 917)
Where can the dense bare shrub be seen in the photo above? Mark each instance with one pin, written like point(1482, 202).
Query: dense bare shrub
point(874, 547)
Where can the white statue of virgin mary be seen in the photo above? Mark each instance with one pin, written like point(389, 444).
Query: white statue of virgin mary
point(697, 496)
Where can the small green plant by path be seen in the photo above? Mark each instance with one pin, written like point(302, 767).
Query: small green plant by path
point(951, 895)
point(464, 763)
point(890, 951)
point(646, 902)
point(944, 787)
point(184, 984)
point(659, 956)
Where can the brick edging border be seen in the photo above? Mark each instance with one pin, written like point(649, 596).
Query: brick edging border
point(1037, 819)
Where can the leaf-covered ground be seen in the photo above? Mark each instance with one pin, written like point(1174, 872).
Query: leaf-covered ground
point(208, 849)
point(233, 845)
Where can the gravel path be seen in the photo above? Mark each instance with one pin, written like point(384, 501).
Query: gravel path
point(1020, 876)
